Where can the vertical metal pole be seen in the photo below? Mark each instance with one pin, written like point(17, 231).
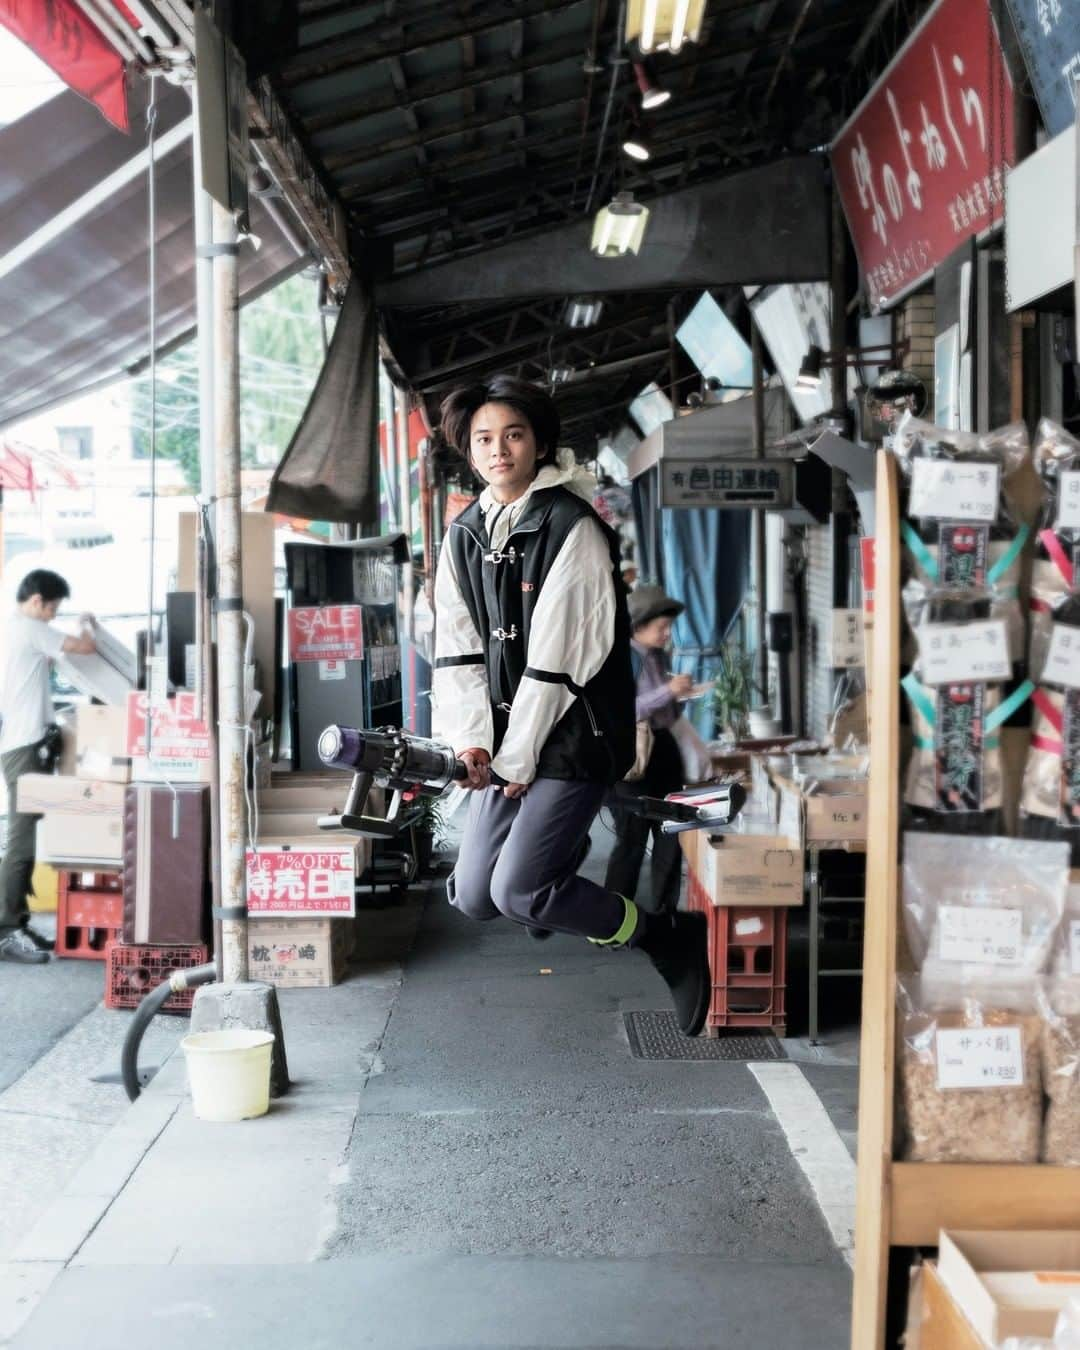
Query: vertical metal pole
point(388, 409)
point(405, 505)
point(838, 305)
point(757, 522)
point(204, 621)
point(230, 618)
point(1076, 204)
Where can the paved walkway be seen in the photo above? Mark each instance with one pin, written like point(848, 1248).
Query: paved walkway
point(471, 1157)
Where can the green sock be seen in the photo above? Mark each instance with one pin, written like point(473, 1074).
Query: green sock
point(625, 930)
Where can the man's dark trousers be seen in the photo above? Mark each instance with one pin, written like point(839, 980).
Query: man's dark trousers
point(17, 866)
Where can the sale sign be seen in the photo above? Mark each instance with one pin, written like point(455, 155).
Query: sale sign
point(921, 165)
point(300, 882)
point(176, 733)
point(327, 633)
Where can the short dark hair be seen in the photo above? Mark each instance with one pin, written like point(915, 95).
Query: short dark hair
point(49, 585)
point(533, 403)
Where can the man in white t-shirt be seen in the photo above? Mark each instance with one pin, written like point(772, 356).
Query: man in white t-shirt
point(30, 647)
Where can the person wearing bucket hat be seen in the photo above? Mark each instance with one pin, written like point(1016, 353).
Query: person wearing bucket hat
point(658, 705)
point(533, 687)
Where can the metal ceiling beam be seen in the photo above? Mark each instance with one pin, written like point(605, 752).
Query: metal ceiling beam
point(352, 53)
point(376, 150)
point(763, 224)
point(342, 112)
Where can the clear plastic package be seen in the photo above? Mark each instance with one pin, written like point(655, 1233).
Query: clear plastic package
point(961, 527)
point(1050, 798)
point(982, 909)
point(1057, 550)
point(970, 1072)
point(1060, 1006)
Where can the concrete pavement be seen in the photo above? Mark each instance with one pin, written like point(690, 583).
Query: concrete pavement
point(470, 1157)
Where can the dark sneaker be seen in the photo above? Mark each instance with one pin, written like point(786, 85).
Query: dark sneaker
point(677, 945)
point(18, 947)
point(40, 941)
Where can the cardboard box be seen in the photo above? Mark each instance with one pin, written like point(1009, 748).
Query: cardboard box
point(751, 869)
point(101, 744)
point(835, 810)
point(297, 953)
point(1010, 1284)
point(53, 793)
point(305, 878)
point(940, 1323)
point(324, 799)
point(96, 841)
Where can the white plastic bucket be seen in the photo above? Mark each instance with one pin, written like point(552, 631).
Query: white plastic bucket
point(229, 1073)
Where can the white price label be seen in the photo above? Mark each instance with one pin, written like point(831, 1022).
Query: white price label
point(1068, 517)
point(989, 936)
point(968, 653)
point(332, 670)
point(980, 1057)
point(1074, 945)
point(942, 489)
point(1063, 659)
point(708, 870)
point(846, 648)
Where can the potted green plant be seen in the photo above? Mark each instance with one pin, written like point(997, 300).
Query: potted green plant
point(426, 830)
point(733, 690)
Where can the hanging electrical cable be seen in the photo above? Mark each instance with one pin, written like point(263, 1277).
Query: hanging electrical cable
point(617, 63)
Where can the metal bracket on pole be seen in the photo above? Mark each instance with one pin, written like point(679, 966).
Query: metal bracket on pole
point(217, 251)
point(229, 912)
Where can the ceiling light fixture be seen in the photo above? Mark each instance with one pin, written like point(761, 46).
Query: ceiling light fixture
point(664, 25)
point(809, 376)
point(561, 374)
point(583, 311)
point(653, 94)
point(619, 228)
point(637, 147)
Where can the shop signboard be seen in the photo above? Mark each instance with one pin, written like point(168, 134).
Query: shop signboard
point(1049, 33)
point(920, 166)
point(326, 633)
point(727, 484)
point(177, 733)
point(301, 882)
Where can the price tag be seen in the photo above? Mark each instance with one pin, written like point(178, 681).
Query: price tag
point(988, 936)
point(980, 1057)
point(968, 653)
point(1068, 517)
point(942, 489)
point(1074, 945)
point(1063, 659)
point(846, 648)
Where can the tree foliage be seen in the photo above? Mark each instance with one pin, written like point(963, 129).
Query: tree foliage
point(281, 354)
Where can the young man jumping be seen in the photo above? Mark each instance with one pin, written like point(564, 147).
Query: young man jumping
point(533, 687)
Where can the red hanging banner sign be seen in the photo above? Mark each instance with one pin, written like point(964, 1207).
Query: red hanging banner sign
point(63, 37)
point(921, 165)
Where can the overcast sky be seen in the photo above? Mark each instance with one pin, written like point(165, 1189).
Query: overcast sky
point(24, 80)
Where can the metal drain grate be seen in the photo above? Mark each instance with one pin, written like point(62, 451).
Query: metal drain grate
point(656, 1035)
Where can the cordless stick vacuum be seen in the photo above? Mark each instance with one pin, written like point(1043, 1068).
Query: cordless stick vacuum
point(413, 767)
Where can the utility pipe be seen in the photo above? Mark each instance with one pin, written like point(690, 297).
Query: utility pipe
point(232, 719)
point(757, 519)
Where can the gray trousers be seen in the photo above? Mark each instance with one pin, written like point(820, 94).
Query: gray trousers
point(17, 865)
point(520, 858)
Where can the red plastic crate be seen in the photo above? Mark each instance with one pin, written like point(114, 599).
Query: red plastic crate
point(89, 914)
point(132, 971)
point(748, 962)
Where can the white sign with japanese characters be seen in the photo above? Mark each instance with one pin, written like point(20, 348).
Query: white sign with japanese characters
point(847, 647)
point(1068, 516)
point(942, 489)
point(980, 1057)
point(1063, 659)
point(301, 882)
point(981, 935)
point(969, 653)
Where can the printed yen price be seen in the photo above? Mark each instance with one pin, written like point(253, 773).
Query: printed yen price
point(944, 490)
point(980, 1057)
point(970, 653)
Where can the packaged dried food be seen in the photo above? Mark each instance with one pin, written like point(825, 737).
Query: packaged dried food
point(982, 910)
point(1057, 548)
point(970, 1074)
point(1050, 798)
point(1061, 1071)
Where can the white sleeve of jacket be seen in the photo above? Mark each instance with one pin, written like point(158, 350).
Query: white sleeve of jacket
point(460, 702)
point(572, 633)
